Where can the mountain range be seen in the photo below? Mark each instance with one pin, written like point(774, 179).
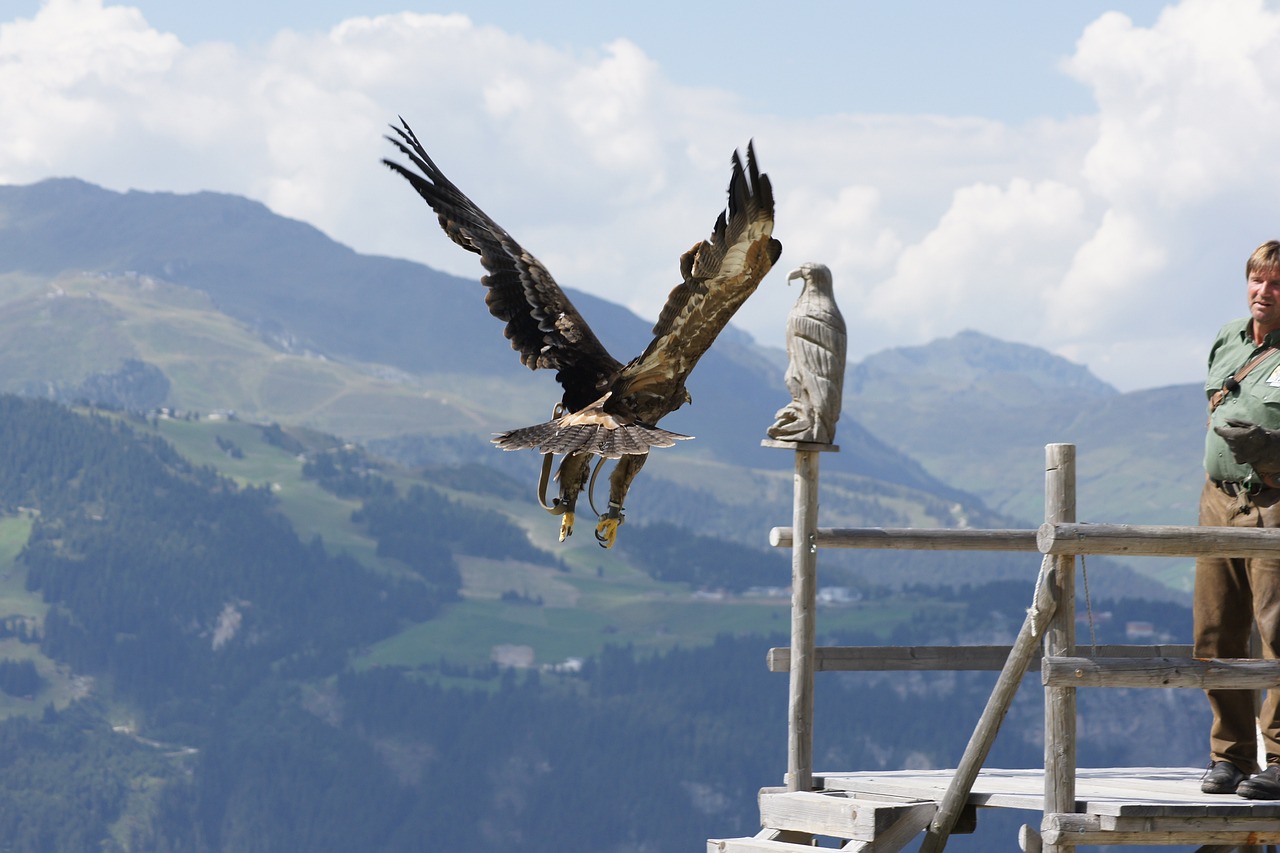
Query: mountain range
point(212, 303)
point(273, 589)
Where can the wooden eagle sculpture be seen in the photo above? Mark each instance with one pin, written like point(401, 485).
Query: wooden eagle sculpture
point(609, 409)
point(816, 345)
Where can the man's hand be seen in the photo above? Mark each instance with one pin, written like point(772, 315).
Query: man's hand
point(1251, 444)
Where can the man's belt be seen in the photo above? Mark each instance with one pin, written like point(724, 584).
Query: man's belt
point(1233, 489)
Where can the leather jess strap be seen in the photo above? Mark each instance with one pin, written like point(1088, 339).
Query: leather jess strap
point(1233, 382)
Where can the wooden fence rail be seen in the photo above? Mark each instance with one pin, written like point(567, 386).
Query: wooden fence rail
point(944, 658)
point(1153, 541)
point(913, 539)
point(1231, 674)
point(1057, 539)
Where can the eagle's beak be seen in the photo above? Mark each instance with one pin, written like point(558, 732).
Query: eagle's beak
point(795, 274)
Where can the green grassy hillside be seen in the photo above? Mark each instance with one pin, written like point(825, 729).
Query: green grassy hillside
point(598, 597)
point(56, 333)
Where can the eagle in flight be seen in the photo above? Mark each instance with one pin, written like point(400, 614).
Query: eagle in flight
point(609, 410)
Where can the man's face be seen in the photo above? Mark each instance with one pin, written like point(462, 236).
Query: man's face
point(1264, 299)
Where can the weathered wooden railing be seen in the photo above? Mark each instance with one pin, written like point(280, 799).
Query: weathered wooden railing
point(1047, 635)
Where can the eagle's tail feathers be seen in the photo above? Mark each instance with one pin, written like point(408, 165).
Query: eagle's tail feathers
point(555, 437)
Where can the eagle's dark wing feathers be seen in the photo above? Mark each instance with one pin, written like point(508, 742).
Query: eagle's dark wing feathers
point(719, 274)
point(541, 322)
point(611, 410)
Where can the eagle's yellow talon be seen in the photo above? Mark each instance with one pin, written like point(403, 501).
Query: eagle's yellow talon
point(607, 529)
point(566, 526)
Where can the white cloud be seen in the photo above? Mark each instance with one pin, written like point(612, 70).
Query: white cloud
point(992, 259)
point(1183, 167)
point(65, 76)
point(1108, 270)
point(1104, 237)
point(1186, 106)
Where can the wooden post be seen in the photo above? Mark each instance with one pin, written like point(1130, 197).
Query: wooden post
point(804, 605)
point(1060, 640)
point(804, 599)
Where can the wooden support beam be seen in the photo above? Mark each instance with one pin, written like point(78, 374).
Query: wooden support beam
point(1220, 840)
point(1052, 538)
point(1060, 639)
point(1154, 541)
point(912, 539)
point(1242, 674)
point(901, 833)
point(804, 605)
point(895, 658)
point(1070, 830)
point(1212, 823)
point(943, 658)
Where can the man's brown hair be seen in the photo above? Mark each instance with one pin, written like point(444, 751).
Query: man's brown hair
point(1266, 256)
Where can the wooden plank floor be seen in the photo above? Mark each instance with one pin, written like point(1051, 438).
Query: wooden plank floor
point(1121, 792)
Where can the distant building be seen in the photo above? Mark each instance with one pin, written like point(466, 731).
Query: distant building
point(568, 665)
point(519, 657)
point(1139, 630)
point(780, 592)
point(836, 595)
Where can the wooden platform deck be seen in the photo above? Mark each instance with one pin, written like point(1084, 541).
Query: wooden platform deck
point(889, 810)
point(1100, 791)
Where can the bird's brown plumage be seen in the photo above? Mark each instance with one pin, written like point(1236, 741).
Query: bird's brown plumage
point(611, 409)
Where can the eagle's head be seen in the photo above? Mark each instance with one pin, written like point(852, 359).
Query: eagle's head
point(813, 275)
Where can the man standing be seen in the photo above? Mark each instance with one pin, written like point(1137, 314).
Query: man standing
point(1242, 461)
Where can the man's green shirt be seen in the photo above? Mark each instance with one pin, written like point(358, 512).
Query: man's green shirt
point(1256, 401)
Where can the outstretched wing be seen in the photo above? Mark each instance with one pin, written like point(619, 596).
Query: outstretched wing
point(542, 324)
point(719, 274)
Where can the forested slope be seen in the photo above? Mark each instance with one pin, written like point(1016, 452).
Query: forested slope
point(220, 703)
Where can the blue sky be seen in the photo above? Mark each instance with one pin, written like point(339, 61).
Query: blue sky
point(991, 58)
point(1083, 176)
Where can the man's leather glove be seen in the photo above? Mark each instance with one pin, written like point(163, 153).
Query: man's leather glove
point(1253, 445)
